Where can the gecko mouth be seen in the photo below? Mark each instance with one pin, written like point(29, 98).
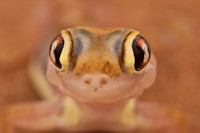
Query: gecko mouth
point(114, 90)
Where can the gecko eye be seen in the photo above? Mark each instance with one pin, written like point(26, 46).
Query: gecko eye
point(136, 52)
point(60, 50)
point(56, 49)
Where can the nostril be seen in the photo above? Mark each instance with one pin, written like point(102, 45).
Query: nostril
point(103, 81)
point(95, 81)
point(87, 81)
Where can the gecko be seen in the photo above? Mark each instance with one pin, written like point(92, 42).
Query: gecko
point(99, 74)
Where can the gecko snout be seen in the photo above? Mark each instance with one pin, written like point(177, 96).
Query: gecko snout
point(95, 81)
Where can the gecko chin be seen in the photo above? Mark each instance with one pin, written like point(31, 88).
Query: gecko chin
point(100, 88)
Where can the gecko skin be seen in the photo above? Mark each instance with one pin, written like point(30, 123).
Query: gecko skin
point(100, 73)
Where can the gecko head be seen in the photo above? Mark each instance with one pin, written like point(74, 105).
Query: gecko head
point(93, 65)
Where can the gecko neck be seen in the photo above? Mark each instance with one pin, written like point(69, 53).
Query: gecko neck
point(106, 112)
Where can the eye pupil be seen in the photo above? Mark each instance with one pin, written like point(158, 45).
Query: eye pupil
point(58, 50)
point(139, 56)
point(141, 52)
point(57, 47)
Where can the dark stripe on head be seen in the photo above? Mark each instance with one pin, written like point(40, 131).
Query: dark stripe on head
point(118, 41)
point(79, 34)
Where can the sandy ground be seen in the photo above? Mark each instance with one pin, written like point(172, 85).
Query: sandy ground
point(172, 28)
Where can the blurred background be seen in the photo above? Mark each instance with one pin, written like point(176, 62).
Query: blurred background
point(172, 28)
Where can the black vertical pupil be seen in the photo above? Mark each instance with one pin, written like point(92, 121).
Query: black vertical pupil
point(58, 50)
point(138, 53)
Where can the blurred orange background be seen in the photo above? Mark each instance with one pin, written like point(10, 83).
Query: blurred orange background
point(172, 28)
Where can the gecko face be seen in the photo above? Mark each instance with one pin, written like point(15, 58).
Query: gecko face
point(101, 66)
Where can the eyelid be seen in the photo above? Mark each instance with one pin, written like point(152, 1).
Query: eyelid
point(65, 54)
point(128, 57)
